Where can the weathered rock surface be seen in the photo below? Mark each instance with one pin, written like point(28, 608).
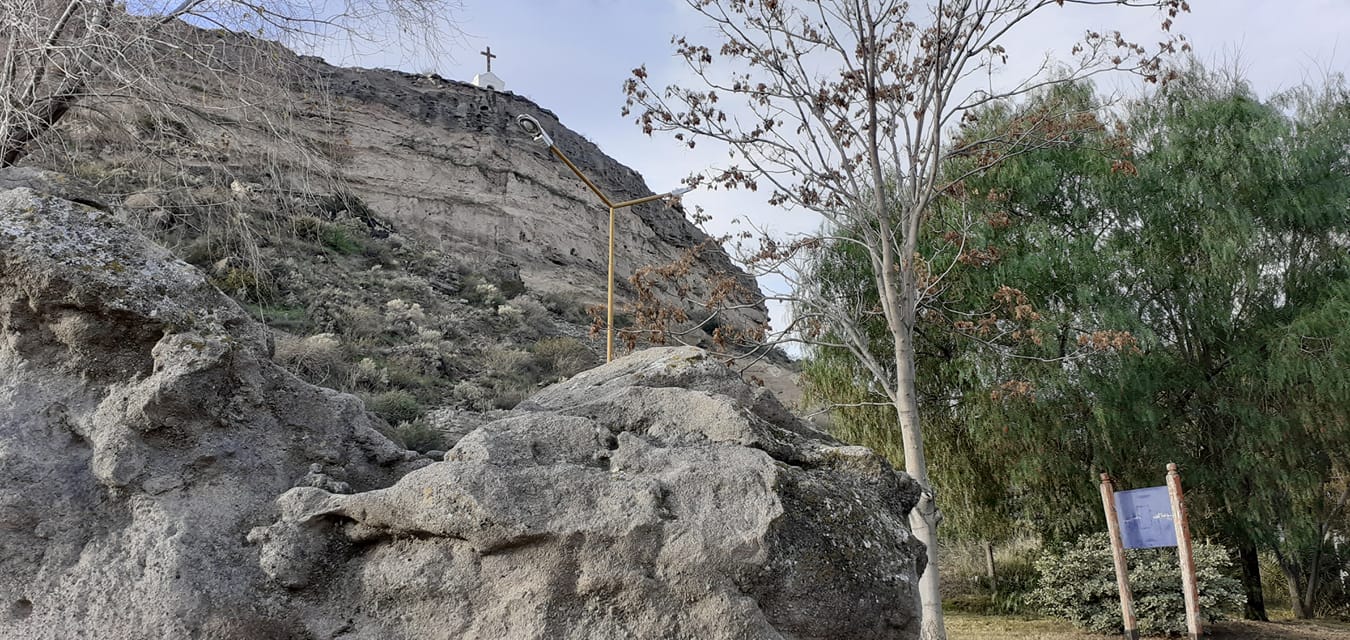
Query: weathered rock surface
point(446, 158)
point(658, 496)
point(161, 478)
point(442, 160)
point(143, 432)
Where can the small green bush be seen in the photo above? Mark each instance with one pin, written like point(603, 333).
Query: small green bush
point(1078, 583)
point(339, 239)
point(419, 435)
point(395, 406)
point(336, 237)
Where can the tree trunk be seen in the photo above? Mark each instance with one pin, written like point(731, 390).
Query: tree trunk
point(1255, 609)
point(1292, 583)
point(1310, 591)
point(923, 520)
point(989, 565)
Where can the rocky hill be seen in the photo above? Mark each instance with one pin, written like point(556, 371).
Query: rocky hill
point(164, 479)
point(401, 236)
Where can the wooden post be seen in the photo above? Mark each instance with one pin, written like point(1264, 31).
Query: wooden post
point(1187, 558)
point(989, 565)
point(1118, 555)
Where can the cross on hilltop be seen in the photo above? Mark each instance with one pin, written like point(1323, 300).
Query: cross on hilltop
point(488, 79)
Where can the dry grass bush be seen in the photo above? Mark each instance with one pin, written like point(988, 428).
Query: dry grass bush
point(363, 323)
point(508, 362)
point(471, 396)
point(565, 356)
point(566, 307)
point(967, 587)
point(318, 359)
point(535, 318)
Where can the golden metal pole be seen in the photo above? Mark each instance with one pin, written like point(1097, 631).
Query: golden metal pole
point(532, 128)
point(642, 200)
point(594, 189)
point(609, 321)
point(1118, 557)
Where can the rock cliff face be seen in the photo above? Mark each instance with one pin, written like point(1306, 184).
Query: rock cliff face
point(441, 160)
point(446, 158)
point(162, 478)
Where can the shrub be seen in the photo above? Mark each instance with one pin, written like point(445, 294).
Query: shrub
point(419, 435)
point(505, 362)
point(245, 283)
point(471, 396)
point(966, 585)
point(566, 307)
point(509, 312)
point(565, 356)
point(1078, 583)
point(339, 238)
point(363, 322)
point(535, 317)
point(479, 291)
point(370, 375)
point(318, 358)
point(395, 406)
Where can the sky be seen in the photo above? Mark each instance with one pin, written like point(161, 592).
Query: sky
point(572, 57)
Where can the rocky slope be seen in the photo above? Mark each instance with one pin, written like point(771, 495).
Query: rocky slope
point(163, 478)
point(440, 160)
point(405, 239)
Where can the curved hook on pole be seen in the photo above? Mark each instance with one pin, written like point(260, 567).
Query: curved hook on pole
point(532, 128)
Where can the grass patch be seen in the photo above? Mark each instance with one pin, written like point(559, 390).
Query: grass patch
point(339, 240)
point(966, 626)
point(292, 319)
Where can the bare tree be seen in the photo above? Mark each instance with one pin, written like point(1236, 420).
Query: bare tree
point(851, 109)
point(59, 52)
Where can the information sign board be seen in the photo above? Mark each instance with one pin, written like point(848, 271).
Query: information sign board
point(1145, 517)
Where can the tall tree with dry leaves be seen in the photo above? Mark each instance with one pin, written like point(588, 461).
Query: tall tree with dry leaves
point(850, 109)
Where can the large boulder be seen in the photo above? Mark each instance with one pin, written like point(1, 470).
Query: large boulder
point(160, 477)
point(658, 496)
point(144, 431)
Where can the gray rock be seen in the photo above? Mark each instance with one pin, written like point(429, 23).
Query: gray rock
point(164, 479)
point(143, 432)
point(655, 497)
point(51, 183)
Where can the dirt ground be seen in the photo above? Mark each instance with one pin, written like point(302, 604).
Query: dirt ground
point(972, 627)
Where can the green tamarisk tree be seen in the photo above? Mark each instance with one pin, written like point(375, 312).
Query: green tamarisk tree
point(1201, 243)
